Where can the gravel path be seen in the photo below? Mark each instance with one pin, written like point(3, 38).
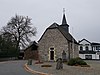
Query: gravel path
point(69, 70)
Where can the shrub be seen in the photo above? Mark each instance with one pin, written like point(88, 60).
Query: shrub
point(76, 61)
point(71, 62)
point(81, 62)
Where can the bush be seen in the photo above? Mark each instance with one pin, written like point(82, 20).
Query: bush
point(76, 61)
point(71, 62)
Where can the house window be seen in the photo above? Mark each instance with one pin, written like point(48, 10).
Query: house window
point(88, 56)
point(81, 48)
point(51, 49)
point(97, 47)
point(86, 48)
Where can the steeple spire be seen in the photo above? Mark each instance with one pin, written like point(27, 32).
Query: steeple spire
point(64, 18)
point(64, 24)
point(63, 10)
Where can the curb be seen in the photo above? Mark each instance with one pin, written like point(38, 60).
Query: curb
point(3, 62)
point(33, 71)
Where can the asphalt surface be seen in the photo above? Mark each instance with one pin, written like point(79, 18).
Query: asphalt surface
point(13, 68)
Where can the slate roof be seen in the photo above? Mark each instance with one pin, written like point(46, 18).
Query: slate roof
point(95, 43)
point(85, 40)
point(54, 25)
point(34, 46)
point(64, 20)
point(92, 43)
point(67, 35)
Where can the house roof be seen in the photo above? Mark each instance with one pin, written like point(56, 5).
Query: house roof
point(92, 43)
point(54, 25)
point(32, 45)
point(95, 43)
point(85, 40)
point(67, 35)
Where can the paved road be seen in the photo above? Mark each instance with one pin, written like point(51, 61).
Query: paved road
point(13, 68)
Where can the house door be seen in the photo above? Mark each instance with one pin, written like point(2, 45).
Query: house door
point(88, 56)
point(51, 55)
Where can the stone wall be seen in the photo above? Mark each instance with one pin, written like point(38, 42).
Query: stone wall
point(31, 54)
point(53, 38)
point(76, 51)
point(73, 52)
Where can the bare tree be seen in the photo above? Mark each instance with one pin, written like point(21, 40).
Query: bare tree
point(20, 29)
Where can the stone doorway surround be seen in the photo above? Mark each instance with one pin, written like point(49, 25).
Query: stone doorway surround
point(51, 54)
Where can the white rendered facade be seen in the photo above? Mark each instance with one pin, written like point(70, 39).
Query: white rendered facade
point(88, 50)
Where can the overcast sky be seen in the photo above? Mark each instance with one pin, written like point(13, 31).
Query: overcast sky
point(83, 16)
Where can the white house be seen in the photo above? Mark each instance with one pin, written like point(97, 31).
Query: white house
point(88, 50)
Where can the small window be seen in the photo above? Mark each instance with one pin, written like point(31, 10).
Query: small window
point(86, 48)
point(51, 49)
point(81, 48)
point(97, 47)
